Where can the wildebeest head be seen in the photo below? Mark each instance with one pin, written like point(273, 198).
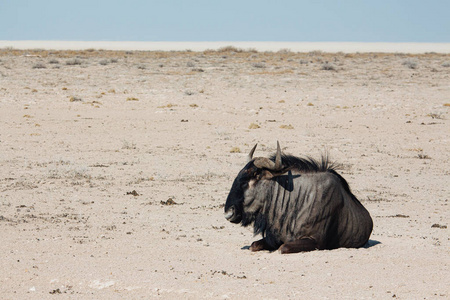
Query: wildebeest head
point(245, 201)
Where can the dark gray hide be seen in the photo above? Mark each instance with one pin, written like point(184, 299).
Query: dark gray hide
point(297, 205)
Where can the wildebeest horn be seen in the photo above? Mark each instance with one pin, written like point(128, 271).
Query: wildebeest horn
point(250, 155)
point(262, 162)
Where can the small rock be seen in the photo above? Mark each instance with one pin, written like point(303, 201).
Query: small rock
point(75, 99)
point(439, 226)
point(169, 201)
point(57, 291)
point(133, 192)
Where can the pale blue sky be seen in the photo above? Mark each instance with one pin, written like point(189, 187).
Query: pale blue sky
point(229, 20)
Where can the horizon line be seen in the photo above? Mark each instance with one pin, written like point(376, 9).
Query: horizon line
point(198, 46)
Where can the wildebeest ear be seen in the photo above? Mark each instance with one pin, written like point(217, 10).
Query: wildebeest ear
point(268, 175)
point(271, 174)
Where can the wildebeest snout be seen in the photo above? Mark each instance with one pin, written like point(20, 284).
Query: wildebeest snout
point(231, 215)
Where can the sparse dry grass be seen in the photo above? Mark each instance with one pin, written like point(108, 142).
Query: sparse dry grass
point(235, 150)
point(289, 126)
point(281, 57)
point(273, 72)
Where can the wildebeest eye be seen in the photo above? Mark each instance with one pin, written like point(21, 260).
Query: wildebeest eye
point(258, 174)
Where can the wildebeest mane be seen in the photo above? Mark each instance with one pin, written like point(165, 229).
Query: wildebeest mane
point(309, 164)
point(306, 164)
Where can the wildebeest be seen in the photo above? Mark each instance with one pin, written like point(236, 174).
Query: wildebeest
point(297, 204)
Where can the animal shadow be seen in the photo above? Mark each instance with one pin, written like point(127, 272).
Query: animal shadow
point(371, 243)
point(286, 181)
point(368, 245)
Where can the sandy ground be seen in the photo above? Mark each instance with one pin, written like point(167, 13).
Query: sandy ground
point(115, 167)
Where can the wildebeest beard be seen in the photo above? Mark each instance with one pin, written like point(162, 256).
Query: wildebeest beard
point(261, 226)
point(248, 219)
point(258, 220)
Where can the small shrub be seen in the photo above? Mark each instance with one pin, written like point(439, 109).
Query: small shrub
point(328, 67)
point(446, 64)
point(104, 62)
point(284, 51)
point(315, 53)
point(128, 145)
point(229, 49)
point(259, 65)
point(39, 66)
point(436, 116)
point(74, 173)
point(73, 62)
point(411, 64)
point(53, 61)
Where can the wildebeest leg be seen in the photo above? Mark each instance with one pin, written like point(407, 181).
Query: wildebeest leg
point(259, 245)
point(303, 244)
